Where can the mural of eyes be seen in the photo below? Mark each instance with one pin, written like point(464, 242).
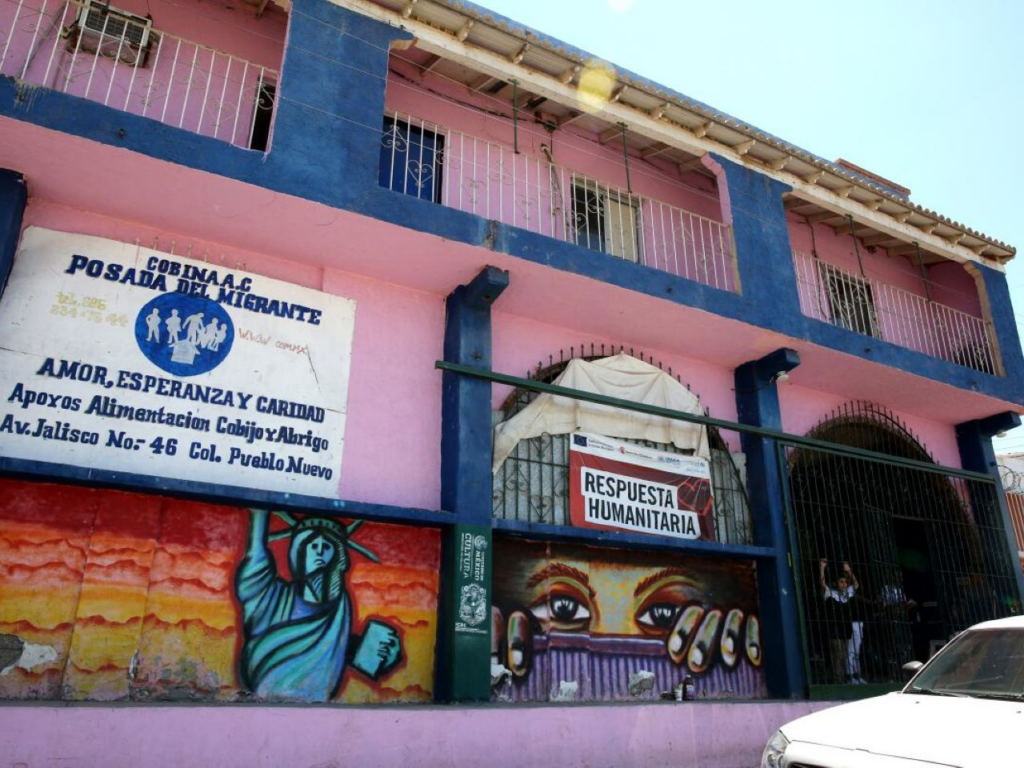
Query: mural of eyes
point(661, 604)
point(563, 610)
point(659, 616)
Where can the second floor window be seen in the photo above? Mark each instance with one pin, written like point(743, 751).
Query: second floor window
point(411, 158)
point(605, 220)
point(851, 302)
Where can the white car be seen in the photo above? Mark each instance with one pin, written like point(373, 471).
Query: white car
point(964, 708)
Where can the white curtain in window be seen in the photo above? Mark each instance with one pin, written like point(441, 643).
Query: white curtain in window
point(620, 376)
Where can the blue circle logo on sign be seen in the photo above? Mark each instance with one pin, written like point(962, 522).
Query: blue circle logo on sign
point(184, 335)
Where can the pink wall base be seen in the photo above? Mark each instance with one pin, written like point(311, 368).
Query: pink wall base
point(712, 735)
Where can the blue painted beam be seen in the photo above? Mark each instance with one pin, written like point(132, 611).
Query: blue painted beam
point(974, 439)
point(13, 198)
point(757, 404)
point(623, 540)
point(217, 494)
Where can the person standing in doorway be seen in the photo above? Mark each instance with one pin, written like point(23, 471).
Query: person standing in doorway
point(845, 634)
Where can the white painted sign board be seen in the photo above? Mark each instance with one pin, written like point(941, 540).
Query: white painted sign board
point(121, 358)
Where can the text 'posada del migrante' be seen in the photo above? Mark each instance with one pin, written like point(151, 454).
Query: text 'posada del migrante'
point(193, 280)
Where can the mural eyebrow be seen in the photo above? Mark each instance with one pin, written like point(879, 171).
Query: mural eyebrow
point(561, 569)
point(662, 574)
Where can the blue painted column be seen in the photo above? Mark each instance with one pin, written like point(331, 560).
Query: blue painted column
point(995, 293)
point(464, 621)
point(974, 439)
point(757, 404)
point(13, 198)
point(764, 254)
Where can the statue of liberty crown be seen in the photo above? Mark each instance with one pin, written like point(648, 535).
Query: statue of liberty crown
point(339, 529)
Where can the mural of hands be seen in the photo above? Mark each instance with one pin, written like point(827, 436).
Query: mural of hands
point(698, 633)
point(379, 651)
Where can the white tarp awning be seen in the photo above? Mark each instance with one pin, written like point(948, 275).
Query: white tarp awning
point(620, 376)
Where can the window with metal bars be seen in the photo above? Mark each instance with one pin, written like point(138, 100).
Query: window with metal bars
point(891, 560)
point(851, 301)
point(411, 159)
point(532, 484)
point(605, 221)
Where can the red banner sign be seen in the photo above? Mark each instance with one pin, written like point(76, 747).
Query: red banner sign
point(621, 486)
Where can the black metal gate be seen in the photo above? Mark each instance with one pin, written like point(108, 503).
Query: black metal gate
point(891, 560)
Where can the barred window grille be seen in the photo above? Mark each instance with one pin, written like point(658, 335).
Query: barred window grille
point(851, 301)
point(605, 221)
point(411, 158)
point(532, 484)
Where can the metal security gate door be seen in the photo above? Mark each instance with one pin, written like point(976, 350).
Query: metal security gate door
point(890, 559)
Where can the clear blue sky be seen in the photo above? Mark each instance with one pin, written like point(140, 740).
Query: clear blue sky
point(928, 94)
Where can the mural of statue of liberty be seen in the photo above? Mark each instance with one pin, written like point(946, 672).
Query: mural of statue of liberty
point(298, 634)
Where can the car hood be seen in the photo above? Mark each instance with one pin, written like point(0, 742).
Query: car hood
point(952, 731)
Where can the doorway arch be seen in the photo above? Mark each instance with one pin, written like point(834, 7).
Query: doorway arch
point(910, 538)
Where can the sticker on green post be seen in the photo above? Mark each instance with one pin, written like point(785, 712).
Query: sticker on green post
point(471, 584)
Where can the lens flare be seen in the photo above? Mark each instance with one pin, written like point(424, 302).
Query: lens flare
point(596, 82)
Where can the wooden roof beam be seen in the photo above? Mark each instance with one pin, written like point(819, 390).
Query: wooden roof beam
point(744, 147)
point(481, 81)
point(609, 133)
point(570, 74)
point(407, 10)
point(658, 112)
point(517, 57)
point(530, 102)
point(654, 149)
point(464, 30)
point(564, 120)
point(876, 240)
point(693, 164)
point(431, 62)
point(902, 250)
point(821, 216)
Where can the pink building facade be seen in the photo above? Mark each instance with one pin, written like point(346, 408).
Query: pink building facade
point(382, 380)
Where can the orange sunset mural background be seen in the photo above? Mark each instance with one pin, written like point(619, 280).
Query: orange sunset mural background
point(115, 595)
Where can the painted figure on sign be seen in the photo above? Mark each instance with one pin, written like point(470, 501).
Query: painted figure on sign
point(218, 339)
point(173, 324)
point(298, 633)
point(208, 339)
point(153, 325)
point(194, 327)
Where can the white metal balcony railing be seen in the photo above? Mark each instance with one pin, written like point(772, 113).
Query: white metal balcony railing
point(478, 176)
point(893, 314)
point(167, 78)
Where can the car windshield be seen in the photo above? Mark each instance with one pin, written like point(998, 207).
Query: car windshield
point(985, 663)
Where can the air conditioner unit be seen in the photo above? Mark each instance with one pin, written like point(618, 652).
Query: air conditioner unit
point(111, 32)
